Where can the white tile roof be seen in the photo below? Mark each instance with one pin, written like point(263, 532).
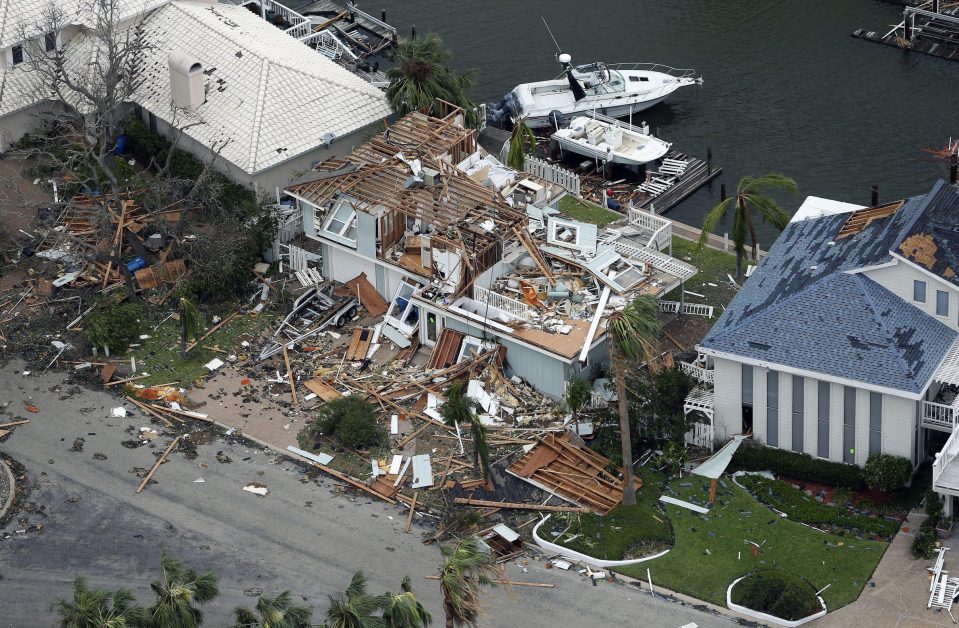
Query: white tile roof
point(31, 14)
point(268, 96)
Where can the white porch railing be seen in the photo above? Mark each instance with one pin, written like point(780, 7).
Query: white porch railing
point(949, 451)
point(661, 228)
point(659, 261)
point(938, 416)
point(497, 300)
point(328, 45)
point(299, 26)
point(674, 307)
point(703, 375)
point(701, 435)
point(551, 172)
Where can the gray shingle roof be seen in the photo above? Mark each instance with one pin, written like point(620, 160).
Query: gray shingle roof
point(802, 309)
point(932, 241)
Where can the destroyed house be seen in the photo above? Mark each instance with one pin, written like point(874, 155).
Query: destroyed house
point(843, 342)
point(468, 253)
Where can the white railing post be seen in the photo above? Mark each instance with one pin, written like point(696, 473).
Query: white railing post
point(500, 302)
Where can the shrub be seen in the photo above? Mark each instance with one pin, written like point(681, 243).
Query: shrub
point(777, 593)
point(786, 498)
point(352, 421)
point(934, 507)
point(924, 543)
point(114, 325)
point(886, 472)
point(797, 466)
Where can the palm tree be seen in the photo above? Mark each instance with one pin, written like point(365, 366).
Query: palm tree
point(421, 74)
point(191, 322)
point(177, 593)
point(750, 198)
point(632, 331)
point(99, 608)
point(355, 608)
point(576, 396)
point(275, 612)
point(466, 566)
point(403, 610)
point(461, 408)
point(520, 141)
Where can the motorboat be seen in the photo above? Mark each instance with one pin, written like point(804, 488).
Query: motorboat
point(610, 141)
point(615, 90)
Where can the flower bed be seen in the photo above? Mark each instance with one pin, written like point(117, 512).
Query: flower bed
point(786, 498)
point(778, 594)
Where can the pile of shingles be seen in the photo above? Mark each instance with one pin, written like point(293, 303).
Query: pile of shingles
point(575, 473)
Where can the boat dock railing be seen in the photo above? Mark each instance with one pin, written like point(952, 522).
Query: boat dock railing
point(654, 67)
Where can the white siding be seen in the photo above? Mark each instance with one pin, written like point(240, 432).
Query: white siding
point(727, 407)
point(343, 266)
point(899, 279)
point(898, 425)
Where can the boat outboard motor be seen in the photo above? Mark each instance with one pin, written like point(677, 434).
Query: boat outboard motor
point(507, 108)
point(558, 119)
point(574, 85)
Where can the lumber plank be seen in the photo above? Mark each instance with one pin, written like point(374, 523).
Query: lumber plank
point(157, 464)
point(409, 518)
point(485, 503)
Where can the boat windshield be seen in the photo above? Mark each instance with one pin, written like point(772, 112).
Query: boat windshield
point(611, 86)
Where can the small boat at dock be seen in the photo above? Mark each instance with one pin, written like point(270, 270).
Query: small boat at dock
point(615, 90)
point(610, 141)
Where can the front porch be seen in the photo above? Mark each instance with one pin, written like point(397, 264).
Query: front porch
point(940, 408)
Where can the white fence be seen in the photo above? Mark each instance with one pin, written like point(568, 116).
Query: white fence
point(675, 307)
point(494, 299)
point(660, 228)
point(552, 173)
point(659, 261)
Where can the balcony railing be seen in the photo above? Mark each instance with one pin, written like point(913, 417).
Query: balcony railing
point(661, 229)
point(949, 452)
point(497, 300)
point(698, 372)
point(938, 416)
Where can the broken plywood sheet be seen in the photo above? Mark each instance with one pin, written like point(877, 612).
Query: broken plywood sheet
point(153, 276)
point(359, 344)
point(368, 296)
point(446, 349)
point(577, 474)
point(322, 390)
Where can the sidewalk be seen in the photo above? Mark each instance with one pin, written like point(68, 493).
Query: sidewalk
point(901, 589)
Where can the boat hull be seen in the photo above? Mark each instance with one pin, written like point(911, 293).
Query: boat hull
point(588, 151)
point(610, 110)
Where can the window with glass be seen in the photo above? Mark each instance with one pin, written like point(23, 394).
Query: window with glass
point(919, 291)
point(342, 222)
point(942, 303)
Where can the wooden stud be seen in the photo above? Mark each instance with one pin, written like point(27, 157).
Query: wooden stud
point(157, 464)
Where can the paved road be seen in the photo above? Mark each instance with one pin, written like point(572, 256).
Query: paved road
point(303, 536)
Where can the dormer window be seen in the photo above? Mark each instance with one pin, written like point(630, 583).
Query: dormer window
point(16, 54)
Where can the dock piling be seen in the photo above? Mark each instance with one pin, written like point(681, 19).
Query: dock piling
point(722, 192)
point(709, 160)
point(954, 168)
point(413, 31)
point(874, 197)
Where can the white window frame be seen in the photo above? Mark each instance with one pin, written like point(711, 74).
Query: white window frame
point(397, 319)
point(340, 208)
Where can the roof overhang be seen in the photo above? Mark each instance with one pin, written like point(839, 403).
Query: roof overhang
point(725, 355)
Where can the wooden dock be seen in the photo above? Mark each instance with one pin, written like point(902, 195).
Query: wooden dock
point(921, 31)
point(697, 174)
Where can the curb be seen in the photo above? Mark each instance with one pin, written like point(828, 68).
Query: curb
point(13, 489)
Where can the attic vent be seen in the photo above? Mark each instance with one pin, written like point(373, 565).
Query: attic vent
point(186, 81)
point(860, 219)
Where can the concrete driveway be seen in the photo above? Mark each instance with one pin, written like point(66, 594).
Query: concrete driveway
point(305, 536)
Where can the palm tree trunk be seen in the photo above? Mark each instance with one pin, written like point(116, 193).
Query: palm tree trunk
point(629, 493)
point(739, 266)
point(448, 610)
point(752, 230)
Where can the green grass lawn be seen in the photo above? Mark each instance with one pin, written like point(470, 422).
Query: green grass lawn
point(159, 355)
point(585, 211)
point(626, 532)
point(843, 562)
point(711, 280)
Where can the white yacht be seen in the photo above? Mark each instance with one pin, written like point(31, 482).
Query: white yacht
point(610, 141)
point(615, 90)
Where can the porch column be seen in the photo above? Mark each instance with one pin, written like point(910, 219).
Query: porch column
point(947, 507)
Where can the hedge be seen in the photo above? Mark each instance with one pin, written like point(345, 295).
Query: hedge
point(777, 593)
point(887, 472)
point(797, 466)
point(786, 498)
